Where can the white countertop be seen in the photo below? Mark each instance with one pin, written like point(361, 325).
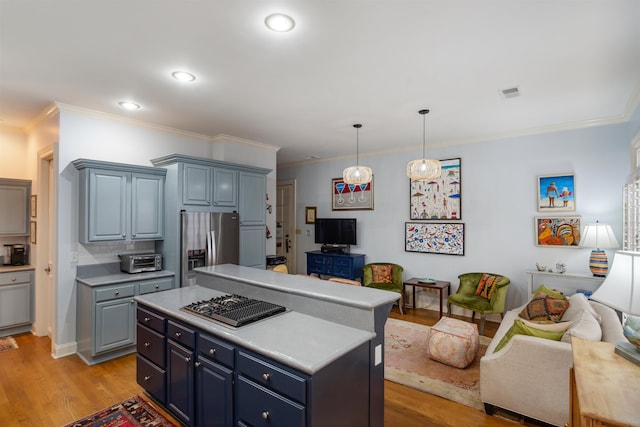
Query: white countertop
point(301, 341)
point(111, 279)
point(12, 268)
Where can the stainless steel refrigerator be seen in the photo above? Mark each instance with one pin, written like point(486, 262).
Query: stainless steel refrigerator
point(208, 239)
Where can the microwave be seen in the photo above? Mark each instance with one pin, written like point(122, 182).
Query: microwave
point(138, 263)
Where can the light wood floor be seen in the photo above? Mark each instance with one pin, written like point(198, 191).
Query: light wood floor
point(37, 390)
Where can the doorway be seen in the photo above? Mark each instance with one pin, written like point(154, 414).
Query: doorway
point(286, 222)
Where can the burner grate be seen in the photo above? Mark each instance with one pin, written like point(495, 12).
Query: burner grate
point(233, 310)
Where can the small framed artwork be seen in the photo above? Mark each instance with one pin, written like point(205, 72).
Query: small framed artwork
point(438, 198)
point(558, 231)
point(434, 238)
point(556, 193)
point(350, 196)
point(310, 215)
point(34, 206)
point(33, 232)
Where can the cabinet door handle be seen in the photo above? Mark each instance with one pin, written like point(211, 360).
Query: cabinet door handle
point(197, 364)
point(187, 359)
point(212, 351)
point(147, 344)
point(147, 319)
point(178, 334)
point(123, 235)
point(265, 415)
point(134, 234)
point(266, 377)
point(147, 378)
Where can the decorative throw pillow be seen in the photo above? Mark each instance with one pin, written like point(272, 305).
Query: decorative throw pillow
point(546, 306)
point(586, 327)
point(577, 304)
point(519, 328)
point(550, 327)
point(487, 285)
point(381, 273)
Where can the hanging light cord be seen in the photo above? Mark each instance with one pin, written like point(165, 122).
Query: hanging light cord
point(357, 126)
point(424, 131)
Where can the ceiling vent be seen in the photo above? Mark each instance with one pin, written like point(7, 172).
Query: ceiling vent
point(512, 92)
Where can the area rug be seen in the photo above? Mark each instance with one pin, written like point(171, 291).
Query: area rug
point(133, 412)
point(407, 363)
point(7, 343)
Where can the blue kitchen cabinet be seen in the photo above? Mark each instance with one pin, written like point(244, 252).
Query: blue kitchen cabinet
point(120, 202)
point(225, 187)
point(16, 302)
point(253, 193)
point(196, 185)
point(181, 382)
point(15, 196)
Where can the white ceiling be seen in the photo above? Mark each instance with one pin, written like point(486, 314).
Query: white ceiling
point(576, 62)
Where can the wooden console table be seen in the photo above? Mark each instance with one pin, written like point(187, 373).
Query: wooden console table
point(605, 387)
point(440, 285)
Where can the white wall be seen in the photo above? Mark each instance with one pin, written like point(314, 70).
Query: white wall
point(498, 203)
point(13, 162)
point(101, 137)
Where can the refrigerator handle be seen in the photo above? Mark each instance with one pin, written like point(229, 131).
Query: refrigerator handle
point(211, 248)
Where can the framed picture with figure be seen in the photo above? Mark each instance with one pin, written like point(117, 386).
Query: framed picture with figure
point(556, 193)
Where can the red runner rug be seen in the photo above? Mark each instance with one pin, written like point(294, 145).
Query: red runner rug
point(133, 412)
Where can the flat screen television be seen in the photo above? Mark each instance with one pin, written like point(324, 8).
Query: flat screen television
point(336, 231)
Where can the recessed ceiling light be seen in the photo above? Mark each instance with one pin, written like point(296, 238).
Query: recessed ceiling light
point(128, 105)
point(279, 22)
point(183, 76)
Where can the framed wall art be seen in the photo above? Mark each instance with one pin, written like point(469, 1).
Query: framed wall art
point(33, 232)
point(34, 206)
point(310, 215)
point(556, 193)
point(351, 197)
point(435, 238)
point(558, 231)
point(439, 198)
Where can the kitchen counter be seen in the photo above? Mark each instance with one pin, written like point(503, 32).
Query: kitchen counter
point(108, 274)
point(10, 268)
point(295, 339)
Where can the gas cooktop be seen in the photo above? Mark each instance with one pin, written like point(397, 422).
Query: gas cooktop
point(233, 310)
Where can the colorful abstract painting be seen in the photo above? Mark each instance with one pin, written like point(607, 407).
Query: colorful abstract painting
point(435, 238)
point(439, 198)
point(559, 231)
point(351, 197)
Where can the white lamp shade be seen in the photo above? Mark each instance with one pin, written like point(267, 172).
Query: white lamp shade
point(599, 236)
point(420, 169)
point(357, 175)
point(621, 288)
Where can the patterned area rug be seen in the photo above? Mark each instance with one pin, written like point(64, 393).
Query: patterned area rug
point(133, 412)
point(407, 363)
point(7, 343)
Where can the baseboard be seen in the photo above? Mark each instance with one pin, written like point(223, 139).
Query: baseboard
point(58, 351)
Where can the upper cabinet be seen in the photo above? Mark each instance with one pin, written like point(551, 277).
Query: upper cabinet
point(15, 196)
point(120, 202)
point(225, 187)
point(253, 193)
point(209, 186)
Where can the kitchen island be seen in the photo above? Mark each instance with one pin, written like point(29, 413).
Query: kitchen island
point(319, 363)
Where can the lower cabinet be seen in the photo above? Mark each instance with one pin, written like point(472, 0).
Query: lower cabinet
point(16, 302)
point(106, 317)
point(209, 382)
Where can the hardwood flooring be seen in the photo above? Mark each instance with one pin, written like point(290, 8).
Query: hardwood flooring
point(37, 390)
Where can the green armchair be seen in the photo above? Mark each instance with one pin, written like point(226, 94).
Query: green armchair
point(396, 280)
point(466, 297)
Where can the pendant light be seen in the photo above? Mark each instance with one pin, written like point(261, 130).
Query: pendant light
point(423, 168)
point(357, 175)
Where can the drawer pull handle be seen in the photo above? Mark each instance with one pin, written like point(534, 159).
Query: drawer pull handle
point(13, 279)
point(265, 415)
point(147, 344)
point(147, 319)
point(197, 364)
point(178, 334)
point(187, 359)
point(212, 351)
point(147, 378)
point(157, 286)
point(117, 293)
point(265, 377)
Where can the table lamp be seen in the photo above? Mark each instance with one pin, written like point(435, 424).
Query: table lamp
point(621, 291)
point(599, 236)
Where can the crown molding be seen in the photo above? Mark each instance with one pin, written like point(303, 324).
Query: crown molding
point(224, 137)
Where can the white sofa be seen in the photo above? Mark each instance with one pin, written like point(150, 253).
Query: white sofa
point(530, 375)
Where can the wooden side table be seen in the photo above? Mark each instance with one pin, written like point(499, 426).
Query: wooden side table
point(605, 387)
point(440, 285)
